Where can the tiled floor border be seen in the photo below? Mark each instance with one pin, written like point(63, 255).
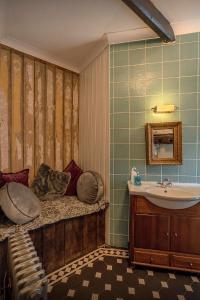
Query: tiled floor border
point(83, 261)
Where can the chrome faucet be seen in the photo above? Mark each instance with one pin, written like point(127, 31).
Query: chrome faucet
point(165, 183)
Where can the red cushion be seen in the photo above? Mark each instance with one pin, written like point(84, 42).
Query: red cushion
point(20, 177)
point(75, 172)
point(2, 182)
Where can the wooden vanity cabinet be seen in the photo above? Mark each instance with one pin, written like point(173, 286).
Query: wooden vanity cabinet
point(164, 237)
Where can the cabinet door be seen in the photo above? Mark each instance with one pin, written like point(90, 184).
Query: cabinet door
point(185, 234)
point(152, 231)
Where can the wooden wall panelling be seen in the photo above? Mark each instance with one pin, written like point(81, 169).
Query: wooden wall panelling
point(75, 117)
point(3, 262)
point(50, 116)
point(59, 120)
point(60, 244)
point(40, 107)
point(67, 122)
point(49, 238)
point(4, 106)
point(89, 233)
point(17, 112)
point(101, 228)
point(73, 238)
point(29, 116)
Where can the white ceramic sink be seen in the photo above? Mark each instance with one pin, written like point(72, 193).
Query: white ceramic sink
point(178, 196)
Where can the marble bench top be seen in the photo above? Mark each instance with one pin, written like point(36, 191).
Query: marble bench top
point(52, 210)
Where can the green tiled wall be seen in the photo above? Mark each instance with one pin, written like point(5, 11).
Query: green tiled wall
point(143, 74)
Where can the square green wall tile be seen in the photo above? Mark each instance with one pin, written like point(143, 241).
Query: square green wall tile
point(188, 168)
point(120, 241)
point(121, 136)
point(188, 84)
point(136, 72)
point(188, 101)
point(171, 69)
point(137, 135)
point(136, 57)
point(153, 42)
point(121, 212)
point(171, 52)
point(154, 70)
point(189, 118)
point(189, 151)
point(137, 87)
point(121, 166)
point(137, 120)
point(189, 37)
point(121, 151)
point(169, 170)
point(137, 151)
point(120, 181)
point(137, 104)
point(154, 54)
point(120, 74)
point(171, 85)
point(189, 50)
point(198, 168)
point(187, 179)
point(137, 45)
point(153, 170)
point(189, 134)
point(121, 105)
point(120, 58)
point(111, 165)
point(188, 67)
point(121, 120)
point(156, 178)
point(120, 47)
point(121, 197)
point(121, 89)
point(120, 227)
point(154, 87)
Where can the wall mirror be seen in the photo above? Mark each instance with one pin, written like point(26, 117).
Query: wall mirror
point(164, 143)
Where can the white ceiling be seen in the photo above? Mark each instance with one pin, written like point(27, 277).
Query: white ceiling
point(70, 32)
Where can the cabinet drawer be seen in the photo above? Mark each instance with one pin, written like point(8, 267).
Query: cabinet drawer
point(186, 262)
point(151, 258)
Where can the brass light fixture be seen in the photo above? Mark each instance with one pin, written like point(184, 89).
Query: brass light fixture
point(164, 108)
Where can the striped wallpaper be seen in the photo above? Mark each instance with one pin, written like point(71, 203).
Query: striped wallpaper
point(38, 113)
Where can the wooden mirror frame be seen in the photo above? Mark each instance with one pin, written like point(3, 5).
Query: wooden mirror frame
point(177, 145)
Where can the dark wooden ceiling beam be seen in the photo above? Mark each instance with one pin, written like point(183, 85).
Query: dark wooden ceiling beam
point(146, 10)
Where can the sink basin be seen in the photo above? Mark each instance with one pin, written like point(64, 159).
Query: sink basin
point(179, 196)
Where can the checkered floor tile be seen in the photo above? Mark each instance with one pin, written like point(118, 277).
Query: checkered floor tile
point(108, 277)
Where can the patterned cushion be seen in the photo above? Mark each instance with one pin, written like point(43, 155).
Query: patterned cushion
point(75, 172)
point(2, 182)
point(90, 187)
point(20, 177)
point(19, 203)
point(50, 183)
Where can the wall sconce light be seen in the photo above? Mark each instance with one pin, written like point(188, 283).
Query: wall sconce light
point(164, 108)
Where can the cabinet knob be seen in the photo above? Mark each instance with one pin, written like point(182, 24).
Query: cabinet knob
point(175, 234)
point(167, 234)
point(190, 264)
point(151, 259)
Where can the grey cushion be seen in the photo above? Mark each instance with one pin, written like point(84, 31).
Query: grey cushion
point(90, 187)
point(50, 183)
point(19, 203)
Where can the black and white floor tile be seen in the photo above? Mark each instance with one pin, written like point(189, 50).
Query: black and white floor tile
point(105, 274)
